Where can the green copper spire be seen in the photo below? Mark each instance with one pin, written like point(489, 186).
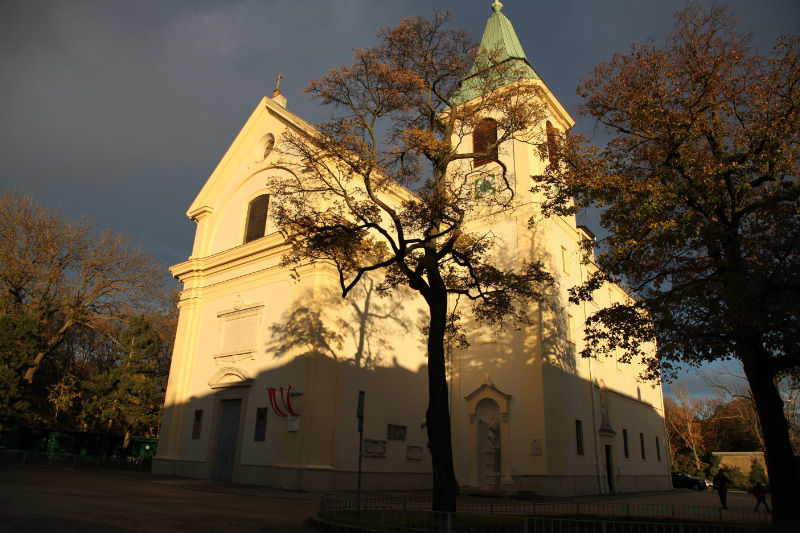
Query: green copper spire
point(499, 38)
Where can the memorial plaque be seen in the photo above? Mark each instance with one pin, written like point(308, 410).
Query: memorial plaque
point(374, 448)
point(239, 333)
point(414, 453)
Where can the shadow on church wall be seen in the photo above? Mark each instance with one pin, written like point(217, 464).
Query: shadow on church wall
point(363, 330)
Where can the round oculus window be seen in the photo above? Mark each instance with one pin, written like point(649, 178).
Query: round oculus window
point(263, 147)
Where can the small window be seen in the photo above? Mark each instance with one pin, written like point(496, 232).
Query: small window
point(658, 450)
point(395, 432)
point(198, 424)
point(551, 144)
point(483, 137)
point(641, 443)
point(579, 436)
point(257, 218)
point(261, 425)
point(625, 443)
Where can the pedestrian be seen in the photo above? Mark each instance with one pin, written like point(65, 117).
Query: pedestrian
point(760, 492)
point(721, 484)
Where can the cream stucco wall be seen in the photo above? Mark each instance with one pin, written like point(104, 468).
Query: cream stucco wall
point(328, 348)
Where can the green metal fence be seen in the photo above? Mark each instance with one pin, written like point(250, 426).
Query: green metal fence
point(397, 511)
point(74, 461)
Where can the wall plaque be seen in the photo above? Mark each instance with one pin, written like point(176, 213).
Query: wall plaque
point(374, 448)
point(238, 332)
point(414, 453)
point(536, 446)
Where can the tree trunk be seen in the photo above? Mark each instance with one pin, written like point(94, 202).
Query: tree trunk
point(783, 478)
point(445, 488)
point(57, 339)
point(127, 442)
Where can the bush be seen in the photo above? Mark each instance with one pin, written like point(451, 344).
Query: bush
point(757, 473)
point(737, 476)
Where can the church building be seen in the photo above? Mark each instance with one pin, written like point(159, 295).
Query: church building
point(269, 359)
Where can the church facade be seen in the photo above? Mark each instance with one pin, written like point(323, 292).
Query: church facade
point(269, 360)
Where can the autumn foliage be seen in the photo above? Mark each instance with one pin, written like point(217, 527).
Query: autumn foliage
point(699, 191)
point(384, 187)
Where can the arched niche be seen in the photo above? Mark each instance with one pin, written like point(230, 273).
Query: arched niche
point(483, 403)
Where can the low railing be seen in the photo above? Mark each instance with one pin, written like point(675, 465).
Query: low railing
point(75, 461)
point(414, 513)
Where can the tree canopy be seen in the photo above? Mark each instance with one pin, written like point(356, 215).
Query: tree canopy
point(699, 191)
point(66, 274)
point(68, 293)
point(386, 187)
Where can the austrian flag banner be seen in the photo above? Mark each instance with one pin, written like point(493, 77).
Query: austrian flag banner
point(281, 401)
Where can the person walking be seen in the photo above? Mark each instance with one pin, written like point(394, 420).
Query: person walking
point(760, 492)
point(721, 484)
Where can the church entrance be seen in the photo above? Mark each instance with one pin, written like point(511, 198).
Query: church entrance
point(227, 438)
point(488, 444)
point(609, 468)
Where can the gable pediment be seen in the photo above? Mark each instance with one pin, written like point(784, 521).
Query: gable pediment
point(483, 392)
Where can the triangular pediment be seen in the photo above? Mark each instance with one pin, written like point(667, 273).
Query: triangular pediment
point(483, 392)
point(267, 118)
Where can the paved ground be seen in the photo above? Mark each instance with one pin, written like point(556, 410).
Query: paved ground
point(38, 498)
point(35, 499)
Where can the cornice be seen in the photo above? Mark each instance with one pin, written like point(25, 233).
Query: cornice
point(200, 212)
point(241, 255)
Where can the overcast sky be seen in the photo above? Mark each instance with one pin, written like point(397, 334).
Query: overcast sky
point(122, 109)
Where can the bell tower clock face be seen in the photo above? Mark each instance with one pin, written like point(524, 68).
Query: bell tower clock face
point(485, 186)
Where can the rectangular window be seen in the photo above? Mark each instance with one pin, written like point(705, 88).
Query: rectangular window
point(625, 443)
point(658, 450)
point(257, 211)
point(564, 260)
point(261, 425)
point(579, 436)
point(641, 443)
point(198, 424)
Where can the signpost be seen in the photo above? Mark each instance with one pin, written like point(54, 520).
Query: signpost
point(360, 415)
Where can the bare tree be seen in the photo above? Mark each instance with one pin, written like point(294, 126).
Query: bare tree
point(684, 416)
point(734, 392)
point(68, 274)
point(737, 399)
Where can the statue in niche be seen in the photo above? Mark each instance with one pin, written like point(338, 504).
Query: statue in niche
point(604, 404)
point(492, 432)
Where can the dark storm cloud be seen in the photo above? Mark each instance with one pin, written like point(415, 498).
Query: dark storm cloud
point(122, 109)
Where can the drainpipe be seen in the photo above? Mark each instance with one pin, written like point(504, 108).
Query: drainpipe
point(597, 455)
